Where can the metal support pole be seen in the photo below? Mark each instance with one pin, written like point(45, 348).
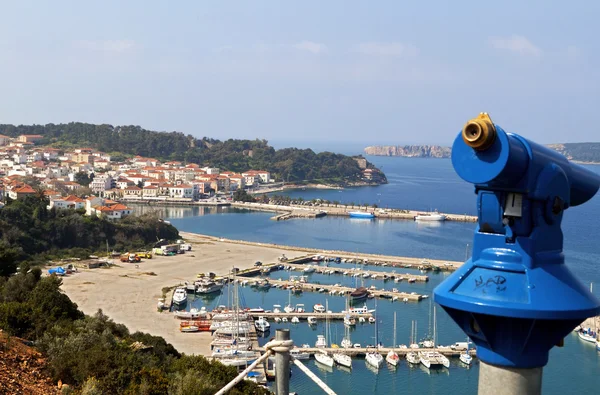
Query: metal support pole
point(500, 380)
point(282, 365)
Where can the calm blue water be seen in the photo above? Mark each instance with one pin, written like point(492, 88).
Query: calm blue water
point(416, 184)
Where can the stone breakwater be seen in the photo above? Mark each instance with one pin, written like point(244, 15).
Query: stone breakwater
point(409, 151)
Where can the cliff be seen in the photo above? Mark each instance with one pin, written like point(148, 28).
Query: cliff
point(578, 152)
point(409, 151)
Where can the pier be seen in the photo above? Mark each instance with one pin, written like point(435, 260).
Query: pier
point(304, 316)
point(341, 290)
point(361, 352)
point(361, 273)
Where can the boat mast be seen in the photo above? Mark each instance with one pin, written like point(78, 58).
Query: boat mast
point(394, 345)
point(434, 327)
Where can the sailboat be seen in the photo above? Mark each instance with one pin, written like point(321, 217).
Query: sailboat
point(392, 356)
point(322, 357)
point(588, 334)
point(373, 357)
point(465, 357)
point(433, 358)
point(289, 308)
point(428, 342)
point(346, 342)
point(413, 356)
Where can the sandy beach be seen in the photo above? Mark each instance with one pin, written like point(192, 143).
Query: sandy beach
point(129, 295)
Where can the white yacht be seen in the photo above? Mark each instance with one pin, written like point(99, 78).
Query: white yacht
point(299, 308)
point(342, 359)
point(323, 358)
point(373, 358)
point(359, 310)
point(299, 354)
point(207, 287)
point(295, 320)
point(321, 342)
point(262, 325)
point(435, 216)
point(289, 308)
point(311, 320)
point(349, 321)
point(276, 308)
point(180, 296)
point(309, 269)
point(230, 353)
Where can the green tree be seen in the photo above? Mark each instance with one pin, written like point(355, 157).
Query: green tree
point(82, 178)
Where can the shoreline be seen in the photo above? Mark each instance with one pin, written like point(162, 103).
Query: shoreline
point(129, 294)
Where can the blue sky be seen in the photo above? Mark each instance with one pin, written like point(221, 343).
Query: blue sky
point(391, 72)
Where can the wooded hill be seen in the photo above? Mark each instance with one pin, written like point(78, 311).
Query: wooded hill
point(288, 164)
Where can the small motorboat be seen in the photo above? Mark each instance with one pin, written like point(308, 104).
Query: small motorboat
point(262, 325)
point(312, 320)
point(295, 320)
point(180, 296)
point(319, 308)
point(321, 342)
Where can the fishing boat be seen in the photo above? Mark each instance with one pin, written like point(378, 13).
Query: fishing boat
point(466, 358)
point(435, 217)
point(180, 296)
point(342, 359)
point(392, 356)
point(359, 294)
point(299, 354)
point(359, 310)
point(587, 335)
point(324, 359)
point(188, 327)
point(192, 314)
point(361, 214)
point(319, 308)
point(262, 325)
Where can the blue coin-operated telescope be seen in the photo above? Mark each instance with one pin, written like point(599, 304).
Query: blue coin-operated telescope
point(515, 297)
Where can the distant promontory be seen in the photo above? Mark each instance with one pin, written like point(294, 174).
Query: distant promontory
point(578, 152)
point(409, 151)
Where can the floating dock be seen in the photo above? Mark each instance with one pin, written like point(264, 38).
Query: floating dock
point(360, 273)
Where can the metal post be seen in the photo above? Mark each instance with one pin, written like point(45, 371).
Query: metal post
point(282, 365)
point(499, 380)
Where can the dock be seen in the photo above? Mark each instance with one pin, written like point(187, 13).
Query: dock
point(361, 273)
point(341, 290)
point(304, 316)
point(362, 351)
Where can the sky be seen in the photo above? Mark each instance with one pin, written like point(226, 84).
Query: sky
point(304, 72)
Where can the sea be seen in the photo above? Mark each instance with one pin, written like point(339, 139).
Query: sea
point(418, 184)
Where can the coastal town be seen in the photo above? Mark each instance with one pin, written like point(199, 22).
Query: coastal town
point(84, 178)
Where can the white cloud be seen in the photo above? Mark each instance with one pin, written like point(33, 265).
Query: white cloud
point(517, 44)
point(106, 45)
point(386, 49)
point(315, 48)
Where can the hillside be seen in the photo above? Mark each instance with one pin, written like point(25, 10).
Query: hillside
point(288, 164)
point(580, 152)
point(23, 369)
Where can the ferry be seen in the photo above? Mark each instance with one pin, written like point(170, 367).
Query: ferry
point(359, 310)
point(361, 214)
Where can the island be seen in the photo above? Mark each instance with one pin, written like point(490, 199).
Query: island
point(577, 152)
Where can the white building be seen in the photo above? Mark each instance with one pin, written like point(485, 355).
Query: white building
point(181, 191)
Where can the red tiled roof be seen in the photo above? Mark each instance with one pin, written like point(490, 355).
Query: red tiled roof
point(119, 206)
point(24, 189)
point(133, 188)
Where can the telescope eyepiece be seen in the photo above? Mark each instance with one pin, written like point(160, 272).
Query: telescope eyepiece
point(479, 133)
